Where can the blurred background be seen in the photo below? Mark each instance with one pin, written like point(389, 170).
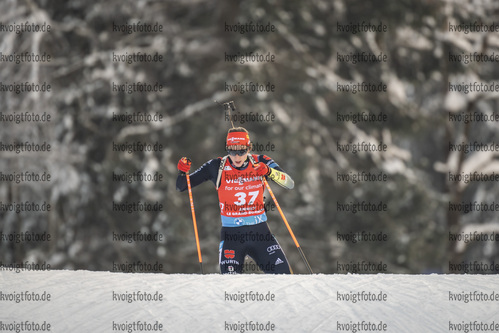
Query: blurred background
point(305, 131)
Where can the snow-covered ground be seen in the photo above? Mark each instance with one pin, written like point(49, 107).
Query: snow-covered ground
point(83, 301)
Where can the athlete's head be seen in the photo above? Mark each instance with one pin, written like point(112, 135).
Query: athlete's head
point(238, 145)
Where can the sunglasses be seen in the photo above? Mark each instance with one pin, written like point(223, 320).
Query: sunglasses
point(240, 152)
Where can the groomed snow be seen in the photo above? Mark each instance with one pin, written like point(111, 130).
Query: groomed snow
point(84, 301)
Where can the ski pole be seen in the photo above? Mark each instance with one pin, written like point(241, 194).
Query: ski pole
point(287, 225)
point(194, 222)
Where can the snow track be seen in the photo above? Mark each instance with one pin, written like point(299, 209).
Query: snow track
point(83, 301)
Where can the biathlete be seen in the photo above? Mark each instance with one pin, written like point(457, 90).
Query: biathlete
point(238, 179)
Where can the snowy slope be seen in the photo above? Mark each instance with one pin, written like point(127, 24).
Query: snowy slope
point(83, 301)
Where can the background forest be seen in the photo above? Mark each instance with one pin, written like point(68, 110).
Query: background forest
point(306, 128)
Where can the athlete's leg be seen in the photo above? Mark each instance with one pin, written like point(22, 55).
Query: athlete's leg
point(267, 252)
point(231, 251)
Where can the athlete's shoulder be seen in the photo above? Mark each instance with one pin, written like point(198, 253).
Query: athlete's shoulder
point(214, 160)
point(219, 160)
point(269, 161)
point(210, 165)
point(262, 158)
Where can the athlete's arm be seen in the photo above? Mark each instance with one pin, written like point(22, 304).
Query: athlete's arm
point(276, 173)
point(207, 171)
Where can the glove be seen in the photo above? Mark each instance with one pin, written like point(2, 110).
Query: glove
point(184, 164)
point(261, 169)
